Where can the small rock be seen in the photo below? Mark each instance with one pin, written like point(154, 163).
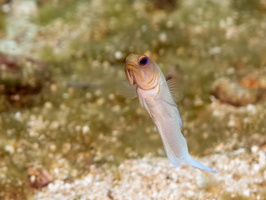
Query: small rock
point(254, 149)
point(21, 78)
point(215, 50)
point(256, 80)
point(10, 149)
point(201, 181)
point(246, 193)
point(118, 55)
point(39, 177)
point(163, 37)
point(232, 93)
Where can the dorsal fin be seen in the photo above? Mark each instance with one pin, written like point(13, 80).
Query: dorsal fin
point(126, 90)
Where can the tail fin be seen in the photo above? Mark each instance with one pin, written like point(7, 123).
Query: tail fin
point(191, 161)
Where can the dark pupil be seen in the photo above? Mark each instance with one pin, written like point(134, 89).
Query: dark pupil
point(143, 61)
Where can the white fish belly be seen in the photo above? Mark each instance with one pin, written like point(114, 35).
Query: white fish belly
point(166, 118)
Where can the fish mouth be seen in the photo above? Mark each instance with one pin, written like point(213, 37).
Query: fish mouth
point(132, 71)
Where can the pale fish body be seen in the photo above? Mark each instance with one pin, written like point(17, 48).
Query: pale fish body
point(155, 96)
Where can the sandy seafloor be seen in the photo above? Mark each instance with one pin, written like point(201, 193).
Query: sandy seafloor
point(242, 176)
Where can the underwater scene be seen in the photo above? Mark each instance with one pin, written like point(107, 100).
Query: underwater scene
point(68, 132)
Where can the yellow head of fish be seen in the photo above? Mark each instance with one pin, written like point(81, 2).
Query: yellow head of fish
point(142, 71)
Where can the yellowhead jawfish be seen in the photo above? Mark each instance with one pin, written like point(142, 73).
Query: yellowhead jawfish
point(147, 82)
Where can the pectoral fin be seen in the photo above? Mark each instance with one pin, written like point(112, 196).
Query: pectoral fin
point(126, 90)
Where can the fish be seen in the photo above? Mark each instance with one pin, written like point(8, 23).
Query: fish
point(147, 82)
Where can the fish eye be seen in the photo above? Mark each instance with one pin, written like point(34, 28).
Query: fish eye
point(143, 61)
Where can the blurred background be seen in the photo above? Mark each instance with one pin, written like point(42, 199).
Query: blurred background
point(60, 61)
